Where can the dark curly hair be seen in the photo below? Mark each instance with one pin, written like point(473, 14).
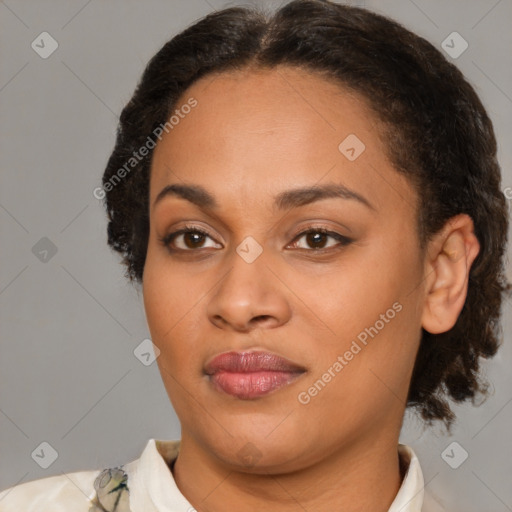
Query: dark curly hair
point(437, 133)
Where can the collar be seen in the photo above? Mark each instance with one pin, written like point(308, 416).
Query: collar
point(153, 489)
point(410, 495)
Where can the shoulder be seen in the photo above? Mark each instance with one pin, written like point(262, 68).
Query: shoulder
point(82, 491)
point(54, 493)
point(99, 490)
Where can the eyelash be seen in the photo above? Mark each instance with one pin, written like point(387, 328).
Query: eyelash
point(343, 240)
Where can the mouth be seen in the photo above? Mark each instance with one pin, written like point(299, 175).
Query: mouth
point(250, 375)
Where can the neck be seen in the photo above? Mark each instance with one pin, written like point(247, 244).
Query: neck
point(364, 476)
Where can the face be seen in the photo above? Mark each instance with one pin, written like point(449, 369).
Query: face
point(283, 276)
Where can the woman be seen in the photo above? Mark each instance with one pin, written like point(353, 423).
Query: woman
point(311, 202)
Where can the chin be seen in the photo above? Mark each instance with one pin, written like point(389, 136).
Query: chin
point(252, 448)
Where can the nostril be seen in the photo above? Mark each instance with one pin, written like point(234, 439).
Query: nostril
point(261, 319)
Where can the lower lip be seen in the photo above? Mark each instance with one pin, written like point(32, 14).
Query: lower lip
point(246, 386)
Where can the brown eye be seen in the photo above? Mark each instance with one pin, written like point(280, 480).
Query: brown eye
point(186, 239)
point(317, 238)
point(193, 239)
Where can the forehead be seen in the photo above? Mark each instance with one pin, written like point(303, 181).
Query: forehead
point(264, 130)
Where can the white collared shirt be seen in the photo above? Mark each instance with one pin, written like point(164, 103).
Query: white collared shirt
point(148, 485)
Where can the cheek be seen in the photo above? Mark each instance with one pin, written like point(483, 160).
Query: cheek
point(167, 293)
point(351, 297)
point(171, 309)
point(370, 307)
point(366, 375)
point(171, 303)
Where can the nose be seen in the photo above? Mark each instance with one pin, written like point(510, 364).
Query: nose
point(248, 297)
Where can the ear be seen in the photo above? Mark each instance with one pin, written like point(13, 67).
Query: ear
point(449, 258)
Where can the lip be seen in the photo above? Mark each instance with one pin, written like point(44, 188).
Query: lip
point(249, 375)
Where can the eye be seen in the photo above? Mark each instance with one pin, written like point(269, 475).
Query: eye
point(190, 238)
point(317, 237)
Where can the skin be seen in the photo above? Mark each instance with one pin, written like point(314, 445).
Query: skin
point(253, 135)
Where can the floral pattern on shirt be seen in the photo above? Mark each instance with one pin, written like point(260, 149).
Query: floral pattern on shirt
point(112, 493)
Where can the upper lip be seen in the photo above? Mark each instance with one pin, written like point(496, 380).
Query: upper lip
point(250, 361)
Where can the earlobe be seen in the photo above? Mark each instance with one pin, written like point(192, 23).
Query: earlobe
point(450, 256)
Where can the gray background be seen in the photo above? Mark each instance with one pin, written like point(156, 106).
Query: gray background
point(69, 326)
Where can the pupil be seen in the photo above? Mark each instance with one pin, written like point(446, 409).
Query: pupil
point(316, 238)
point(194, 237)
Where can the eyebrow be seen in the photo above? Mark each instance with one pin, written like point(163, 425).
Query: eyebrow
point(293, 198)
